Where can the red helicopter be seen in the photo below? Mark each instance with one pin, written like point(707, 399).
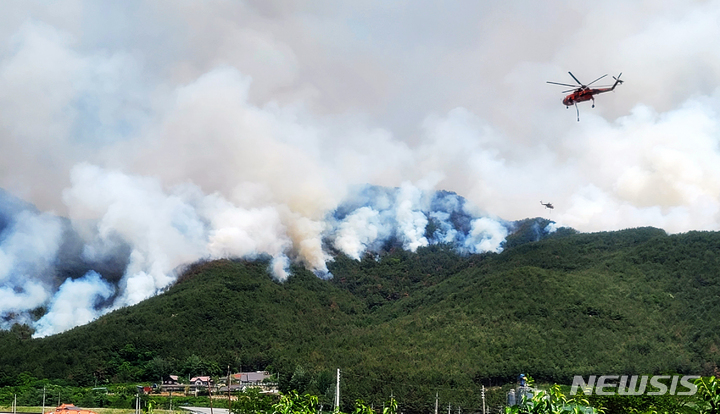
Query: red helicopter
point(584, 92)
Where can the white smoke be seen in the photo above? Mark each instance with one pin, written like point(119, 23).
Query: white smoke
point(74, 304)
point(164, 230)
point(411, 223)
point(414, 218)
point(167, 229)
point(487, 235)
point(250, 129)
point(360, 231)
point(28, 246)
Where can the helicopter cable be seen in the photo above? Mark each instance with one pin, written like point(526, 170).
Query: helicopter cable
point(578, 112)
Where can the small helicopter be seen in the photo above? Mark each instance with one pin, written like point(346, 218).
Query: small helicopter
point(584, 92)
point(547, 205)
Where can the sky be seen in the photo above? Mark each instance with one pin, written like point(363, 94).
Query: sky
point(137, 137)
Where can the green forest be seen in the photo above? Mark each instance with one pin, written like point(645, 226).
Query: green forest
point(411, 325)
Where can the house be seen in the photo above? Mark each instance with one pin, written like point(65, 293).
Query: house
point(171, 383)
point(200, 381)
point(250, 378)
point(143, 390)
point(244, 380)
point(170, 380)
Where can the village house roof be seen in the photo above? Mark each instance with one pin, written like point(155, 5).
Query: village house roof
point(203, 379)
point(257, 376)
point(69, 409)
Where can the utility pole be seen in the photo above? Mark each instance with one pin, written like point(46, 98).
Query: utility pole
point(436, 403)
point(43, 400)
point(337, 392)
point(229, 397)
point(449, 408)
point(483, 398)
point(15, 404)
point(210, 394)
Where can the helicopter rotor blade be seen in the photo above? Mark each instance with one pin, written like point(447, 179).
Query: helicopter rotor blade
point(562, 84)
point(597, 79)
point(569, 90)
point(576, 80)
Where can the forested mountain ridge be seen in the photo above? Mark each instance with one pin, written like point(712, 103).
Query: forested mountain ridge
point(636, 301)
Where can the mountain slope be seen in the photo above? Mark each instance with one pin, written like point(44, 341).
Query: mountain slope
point(633, 301)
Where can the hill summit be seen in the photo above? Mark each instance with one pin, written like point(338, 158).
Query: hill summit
point(132, 243)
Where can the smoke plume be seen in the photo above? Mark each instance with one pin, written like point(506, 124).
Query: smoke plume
point(137, 137)
point(154, 232)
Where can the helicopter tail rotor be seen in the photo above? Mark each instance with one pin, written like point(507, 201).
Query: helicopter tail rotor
point(617, 80)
